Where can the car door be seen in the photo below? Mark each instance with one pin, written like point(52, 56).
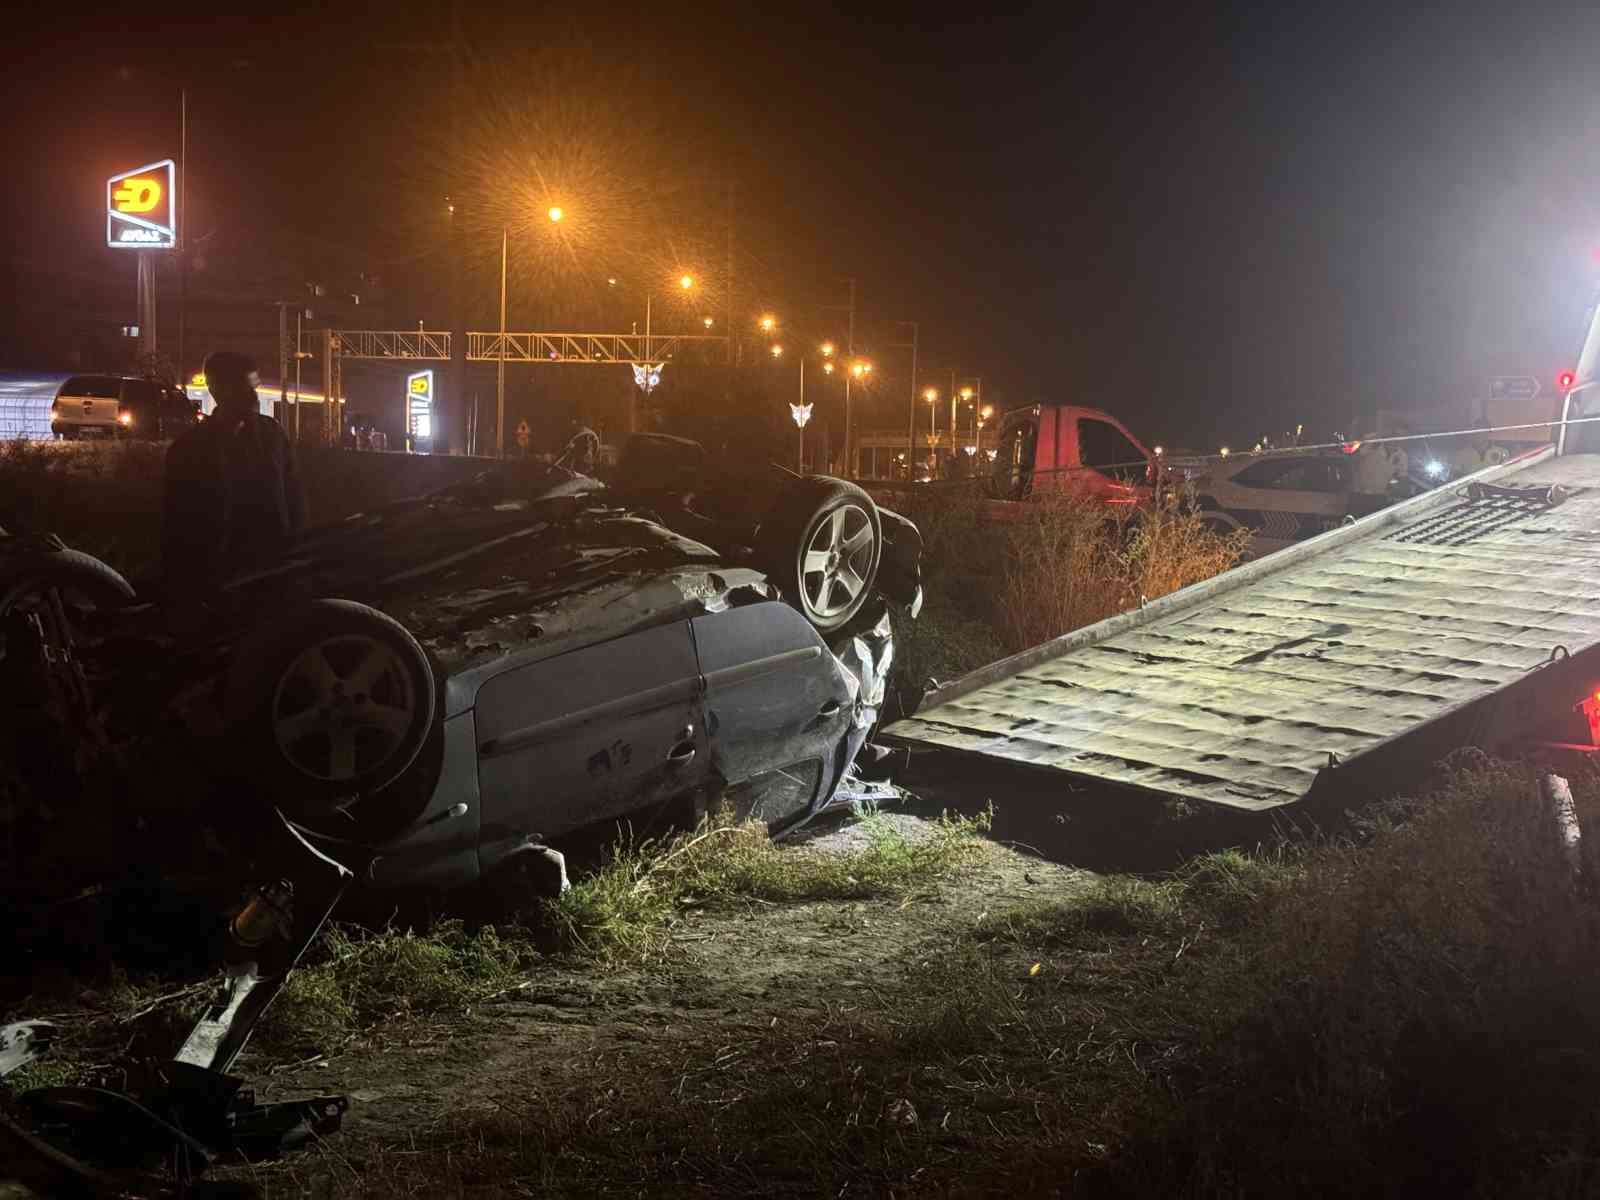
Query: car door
point(592, 734)
point(777, 704)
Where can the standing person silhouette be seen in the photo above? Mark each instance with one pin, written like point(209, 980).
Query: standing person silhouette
point(232, 496)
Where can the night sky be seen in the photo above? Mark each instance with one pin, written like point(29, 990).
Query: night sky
point(1213, 220)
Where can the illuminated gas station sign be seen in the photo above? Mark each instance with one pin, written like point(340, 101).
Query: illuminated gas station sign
point(142, 208)
point(419, 404)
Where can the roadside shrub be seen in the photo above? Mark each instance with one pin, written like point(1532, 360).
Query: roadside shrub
point(1069, 564)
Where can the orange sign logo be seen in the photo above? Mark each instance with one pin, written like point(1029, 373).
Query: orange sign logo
point(137, 194)
point(141, 207)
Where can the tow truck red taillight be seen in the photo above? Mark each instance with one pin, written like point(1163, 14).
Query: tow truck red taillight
point(1590, 707)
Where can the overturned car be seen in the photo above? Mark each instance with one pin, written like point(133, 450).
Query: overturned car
point(430, 690)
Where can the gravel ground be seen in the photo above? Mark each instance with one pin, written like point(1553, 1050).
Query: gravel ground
point(842, 833)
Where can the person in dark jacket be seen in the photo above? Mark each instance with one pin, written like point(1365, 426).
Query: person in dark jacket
point(232, 494)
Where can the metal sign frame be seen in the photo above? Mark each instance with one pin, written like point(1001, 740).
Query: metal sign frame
point(126, 226)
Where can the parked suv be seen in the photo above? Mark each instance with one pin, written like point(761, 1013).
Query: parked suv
point(120, 406)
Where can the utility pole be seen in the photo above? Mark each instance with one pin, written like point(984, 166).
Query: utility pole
point(500, 377)
point(453, 426)
point(728, 291)
point(283, 355)
point(299, 357)
point(181, 215)
point(911, 426)
point(953, 401)
point(849, 364)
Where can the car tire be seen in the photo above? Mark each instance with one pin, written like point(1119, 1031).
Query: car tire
point(81, 578)
point(331, 707)
point(70, 569)
point(821, 544)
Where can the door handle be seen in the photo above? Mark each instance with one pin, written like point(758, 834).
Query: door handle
point(681, 755)
point(830, 709)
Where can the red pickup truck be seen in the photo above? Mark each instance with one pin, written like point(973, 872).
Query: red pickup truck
point(1060, 448)
point(1066, 448)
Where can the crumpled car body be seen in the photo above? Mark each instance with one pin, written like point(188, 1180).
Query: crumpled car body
point(588, 663)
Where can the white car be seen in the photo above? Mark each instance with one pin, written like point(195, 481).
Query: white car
point(1281, 498)
point(119, 406)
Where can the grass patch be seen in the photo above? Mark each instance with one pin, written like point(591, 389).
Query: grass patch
point(357, 981)
point(352, 983)
point(626, 908)
point(1424, 999)
point(1404, 1012)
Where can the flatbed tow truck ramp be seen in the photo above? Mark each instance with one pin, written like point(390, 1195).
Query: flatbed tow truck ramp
point(1347, 664)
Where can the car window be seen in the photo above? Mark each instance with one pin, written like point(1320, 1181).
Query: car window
point(100, 387)
point(1292, 475)
point(1104, 447)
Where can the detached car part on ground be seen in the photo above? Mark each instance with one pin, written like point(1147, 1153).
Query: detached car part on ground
point(551, 654)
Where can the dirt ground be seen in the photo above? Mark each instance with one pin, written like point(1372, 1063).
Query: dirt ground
point(730, 975)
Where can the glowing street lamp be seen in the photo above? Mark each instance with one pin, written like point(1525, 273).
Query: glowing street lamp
point(768, 323)
point(707, 322)
point(827, 368)
point(555, 213)
point(686, 282)
point(776, 351)
point(827, 349)
point(861, 368)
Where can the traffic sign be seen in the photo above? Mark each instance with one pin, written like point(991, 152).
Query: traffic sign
point(1513, 387)
point(142, 207)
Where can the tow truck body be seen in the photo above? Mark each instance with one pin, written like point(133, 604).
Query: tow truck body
point(1342, 665)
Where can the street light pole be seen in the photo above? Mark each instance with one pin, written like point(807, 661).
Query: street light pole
point(500, 375)
point(849, 423)
point(911, 428)
point(800, 461)
point(954, 400)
